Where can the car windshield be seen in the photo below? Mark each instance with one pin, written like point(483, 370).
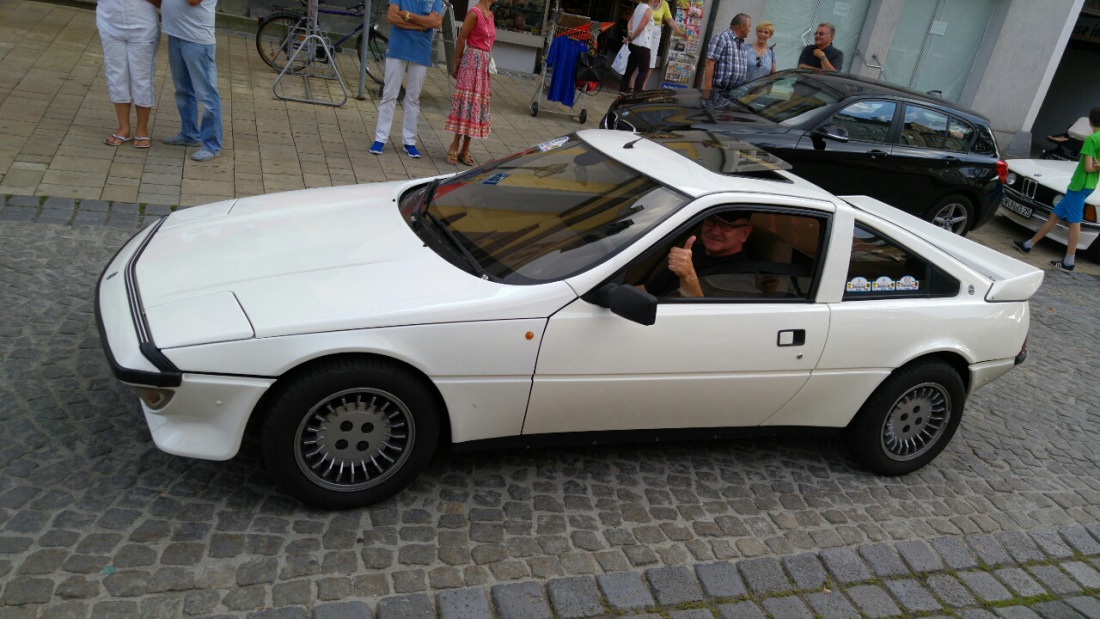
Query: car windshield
point(787, 99)
point(541, 215)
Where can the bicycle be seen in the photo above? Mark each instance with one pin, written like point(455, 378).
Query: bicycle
point(276, 33)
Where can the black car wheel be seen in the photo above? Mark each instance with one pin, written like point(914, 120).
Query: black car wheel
point(350, 433)
point(909, 419)
point(1093, 252)
point(954, 213)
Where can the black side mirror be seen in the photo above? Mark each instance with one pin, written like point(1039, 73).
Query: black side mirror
point(626, 301)
point(832, 132)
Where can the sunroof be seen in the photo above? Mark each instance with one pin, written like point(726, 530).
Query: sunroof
point(722, 154)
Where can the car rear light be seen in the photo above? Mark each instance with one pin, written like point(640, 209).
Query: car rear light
point(1090, 213)
point(1002, 170)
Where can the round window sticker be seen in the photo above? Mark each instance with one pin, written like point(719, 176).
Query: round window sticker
point(859, 284)
point(908, 282)
point(883, 284)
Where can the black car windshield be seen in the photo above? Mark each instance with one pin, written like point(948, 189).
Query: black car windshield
point(541, 215)
point(786, 99)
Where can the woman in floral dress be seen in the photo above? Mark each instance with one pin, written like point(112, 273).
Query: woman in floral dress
point(469, 116)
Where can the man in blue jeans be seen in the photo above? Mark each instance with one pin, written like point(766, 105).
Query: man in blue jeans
point(189, 25)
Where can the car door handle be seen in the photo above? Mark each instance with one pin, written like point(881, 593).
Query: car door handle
point(875, 154)
point(791, 337)
point(950, 159)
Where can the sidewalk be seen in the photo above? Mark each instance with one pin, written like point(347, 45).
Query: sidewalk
point(54, 114)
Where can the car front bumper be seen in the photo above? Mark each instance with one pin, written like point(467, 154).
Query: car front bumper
point(1015, 202)
point(206, 414)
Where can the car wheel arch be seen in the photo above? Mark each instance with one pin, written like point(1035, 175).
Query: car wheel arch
point(911, 416)
point(263, 407)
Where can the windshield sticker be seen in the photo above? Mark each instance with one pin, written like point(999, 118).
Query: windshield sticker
point(859, 284)
point(883, 283)
point(552, 144)
point(908, 282)
point(494, 179)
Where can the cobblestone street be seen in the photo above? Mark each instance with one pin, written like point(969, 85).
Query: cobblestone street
point(96, 522)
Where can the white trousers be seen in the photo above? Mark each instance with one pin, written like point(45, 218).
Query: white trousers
point(395, 71)
point(128, 61)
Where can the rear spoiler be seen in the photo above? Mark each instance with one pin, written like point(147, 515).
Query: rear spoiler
point(1012, 279)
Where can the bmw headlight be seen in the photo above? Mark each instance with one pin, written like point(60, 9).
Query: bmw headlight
point(1011, 178)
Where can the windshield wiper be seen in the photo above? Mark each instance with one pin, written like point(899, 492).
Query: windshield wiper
point(478, 269)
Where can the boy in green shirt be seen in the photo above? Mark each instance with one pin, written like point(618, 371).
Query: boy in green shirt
point(1072, 207)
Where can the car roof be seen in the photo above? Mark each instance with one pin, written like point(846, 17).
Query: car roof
point(861, 87)
point(671, 167)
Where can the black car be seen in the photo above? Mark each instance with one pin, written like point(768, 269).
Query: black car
point(849, 135)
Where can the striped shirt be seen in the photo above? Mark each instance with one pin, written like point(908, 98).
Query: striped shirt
point(730, 56)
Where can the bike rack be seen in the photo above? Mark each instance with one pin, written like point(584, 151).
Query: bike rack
point(318, 52)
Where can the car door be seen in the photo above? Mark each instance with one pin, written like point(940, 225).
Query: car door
point(717, 361)
point(862, 165)
point(929, 158)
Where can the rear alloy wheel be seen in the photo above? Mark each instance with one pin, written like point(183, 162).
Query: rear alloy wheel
point(909, 419)
point(350, 433)
point(953, 213)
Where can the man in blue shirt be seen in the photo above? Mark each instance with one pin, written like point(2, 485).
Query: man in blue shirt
point(410, 52)
point(189, 25)
point(727, 56)
point(821, 54)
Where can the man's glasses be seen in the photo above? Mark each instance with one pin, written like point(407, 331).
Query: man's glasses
point(758, 62)
point(723, 226)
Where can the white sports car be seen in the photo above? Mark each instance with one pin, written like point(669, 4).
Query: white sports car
point(366, 326)
point(1032, 189)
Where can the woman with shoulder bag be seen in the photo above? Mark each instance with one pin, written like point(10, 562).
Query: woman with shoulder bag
point(469, 116)
point(637, 37)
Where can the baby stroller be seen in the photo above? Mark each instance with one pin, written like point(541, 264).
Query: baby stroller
point(1067, 146)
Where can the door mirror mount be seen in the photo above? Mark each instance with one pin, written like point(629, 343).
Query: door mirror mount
point(832, 132)
point(626, 301)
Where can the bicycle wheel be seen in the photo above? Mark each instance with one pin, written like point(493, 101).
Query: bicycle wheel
point(376, 54)
point(275, 37)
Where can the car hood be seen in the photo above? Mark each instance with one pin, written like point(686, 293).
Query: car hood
point(310, 261)
point(1050, 173)
point(686, 108)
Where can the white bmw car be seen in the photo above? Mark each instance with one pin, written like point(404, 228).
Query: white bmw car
point(1034, 186)
point(363, 327)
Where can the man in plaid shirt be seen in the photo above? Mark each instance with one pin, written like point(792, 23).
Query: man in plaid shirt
point(727, 56)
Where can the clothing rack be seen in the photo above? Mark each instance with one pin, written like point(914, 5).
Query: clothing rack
point(577, 28)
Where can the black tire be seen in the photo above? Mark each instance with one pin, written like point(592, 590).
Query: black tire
point(954, 213)
point(534, 108)
point(584, 116)
point(909, 419)
point(376, 54)
point(350, 433)
point(271, 40)
point(1093, 252)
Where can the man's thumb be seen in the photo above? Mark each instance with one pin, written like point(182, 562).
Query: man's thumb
point(689, 243)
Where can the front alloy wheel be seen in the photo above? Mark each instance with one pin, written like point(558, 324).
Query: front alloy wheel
point(909, 419)
point(953, 214)
point(354, 439)
point(350, 432)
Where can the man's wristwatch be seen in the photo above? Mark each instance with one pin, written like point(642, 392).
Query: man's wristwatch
point(407, 16)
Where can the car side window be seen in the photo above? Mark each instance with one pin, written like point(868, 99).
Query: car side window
point(985, 144)
point(866, 121)
point(924, 128)
point(775, 257)
point(882, 269)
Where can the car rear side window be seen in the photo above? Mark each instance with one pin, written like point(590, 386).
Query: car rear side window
point(924, 128)
point(866, 121)
point(882, 269)
point(959, 135)
point(985, 144)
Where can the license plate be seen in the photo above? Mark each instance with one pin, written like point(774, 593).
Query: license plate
point(1016, 207)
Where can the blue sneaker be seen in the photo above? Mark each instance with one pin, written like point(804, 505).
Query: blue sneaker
point(411, 151)
point(376, 148)
point(1020, 246)
point(204, 155)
